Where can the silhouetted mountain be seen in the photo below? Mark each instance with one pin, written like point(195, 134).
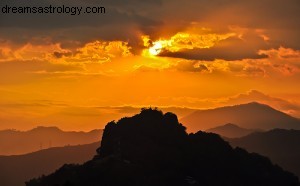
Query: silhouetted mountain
point(282, 146)
point(152, 148)
point(251, 116)
point(231, 131)
point(15, 170)
point(14, 142)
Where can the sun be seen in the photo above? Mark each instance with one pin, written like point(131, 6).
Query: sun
point(156, 48)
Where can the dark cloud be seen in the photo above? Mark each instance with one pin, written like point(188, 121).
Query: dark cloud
point(126, 20)
point(62, 54)
point(191, 66)
point(231, 49)
point(122, 21)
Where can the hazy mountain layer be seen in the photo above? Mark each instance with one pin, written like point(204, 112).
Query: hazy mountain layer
point(231, 131)
point(17, 142)
point(15, 170)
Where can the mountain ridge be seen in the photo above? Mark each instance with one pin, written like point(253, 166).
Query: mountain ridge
point(280, 145)
point(250, 115)
point(230, 130)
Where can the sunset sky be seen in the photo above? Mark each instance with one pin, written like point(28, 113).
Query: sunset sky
point(79, 72)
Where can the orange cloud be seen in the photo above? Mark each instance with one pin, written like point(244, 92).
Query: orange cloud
point(284, 60)
point(28, 52)
point(97, 51)
point(282, 53)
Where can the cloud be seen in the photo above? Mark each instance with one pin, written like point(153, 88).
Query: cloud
point(32, 62)
point(290, 107)
point(284, 60)
point(282, 53)
point(254, 71)
point(96, 51)
point(229, 49)
point(122, 16)
point(128, 20)
point(27, 51)
point(187, 40)
point(272, 63)
point(190, 66)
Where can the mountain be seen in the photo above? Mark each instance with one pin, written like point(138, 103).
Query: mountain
point(14, 142)
point(231, 131)
point(15, 170)
point(252, 115)
point(281, 146)
point(153, 148)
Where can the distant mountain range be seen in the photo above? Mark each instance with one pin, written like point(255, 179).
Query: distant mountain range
point(231, 131)
point(14, 142)
point(251, 116)
point(153, 148)
point(281, 146)
point(15, 170)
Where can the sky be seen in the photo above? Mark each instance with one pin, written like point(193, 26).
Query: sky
point(79, 72)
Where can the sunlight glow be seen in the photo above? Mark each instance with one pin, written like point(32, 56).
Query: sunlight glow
point(182, 41)
point(156, 48)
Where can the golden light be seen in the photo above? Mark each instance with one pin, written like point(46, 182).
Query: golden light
point(156, 48)
point(182, 41)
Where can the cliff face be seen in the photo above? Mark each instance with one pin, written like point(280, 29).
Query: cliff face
point(152, 148)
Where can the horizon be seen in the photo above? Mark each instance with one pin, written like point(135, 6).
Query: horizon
point(138, 110)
